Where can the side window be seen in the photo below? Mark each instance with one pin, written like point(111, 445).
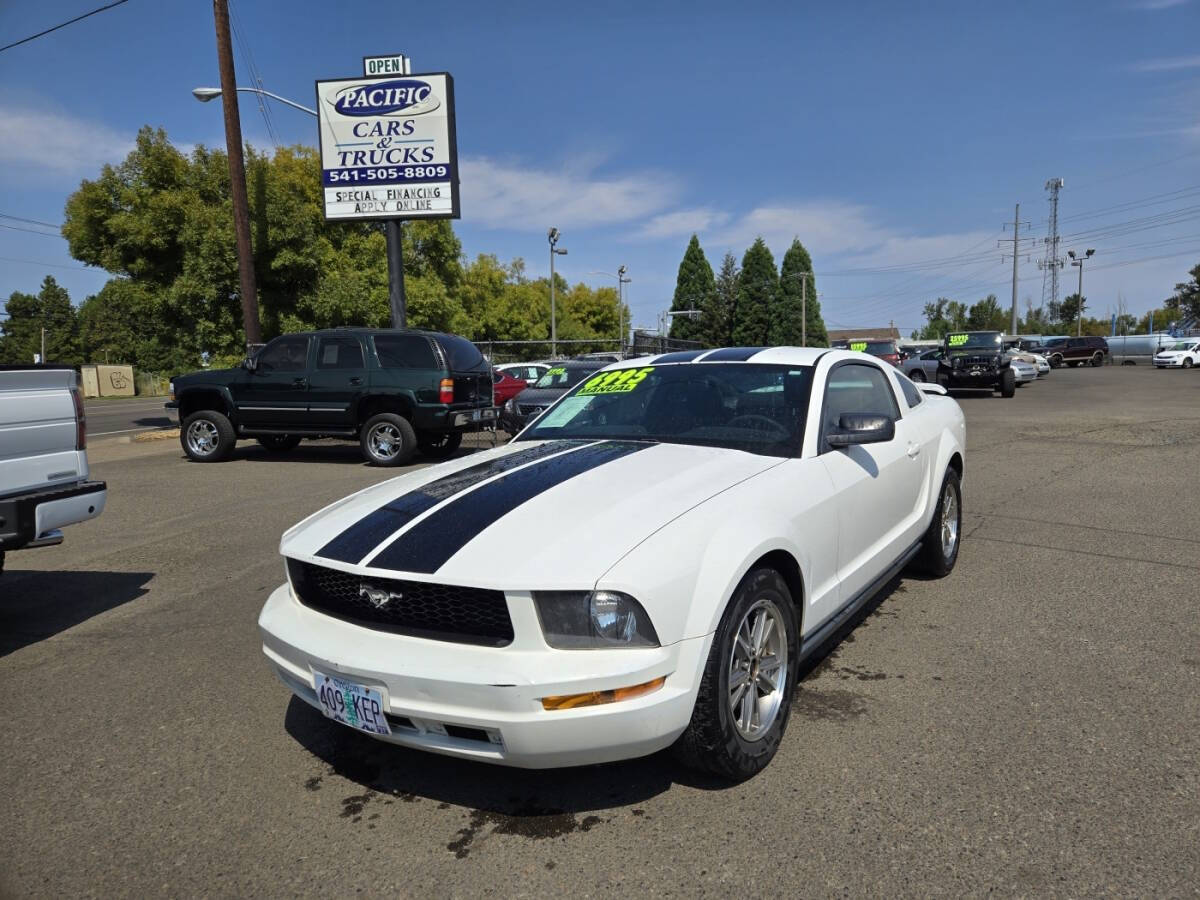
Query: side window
point(404, 351)
point(912, 394)
point(857, 388)
point(285, 354)
point(339, 353)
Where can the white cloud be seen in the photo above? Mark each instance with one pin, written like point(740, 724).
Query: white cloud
point(57, 143)
point(500, 194)
point(683, 222)
point(1166, 64)
point(827, 228)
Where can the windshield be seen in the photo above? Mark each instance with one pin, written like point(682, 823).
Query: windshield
point(974, 340)
point(563, 378)
point(1184, 345)
point(756, 408)
point(875, 348)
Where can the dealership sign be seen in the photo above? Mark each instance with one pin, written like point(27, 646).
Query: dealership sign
point(388, 147)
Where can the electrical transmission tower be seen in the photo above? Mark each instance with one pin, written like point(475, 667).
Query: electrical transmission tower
point(1051, 263)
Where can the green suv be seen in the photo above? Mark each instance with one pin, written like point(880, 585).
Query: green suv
point(394, 391)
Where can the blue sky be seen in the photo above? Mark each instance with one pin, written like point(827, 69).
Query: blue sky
point(892, 139)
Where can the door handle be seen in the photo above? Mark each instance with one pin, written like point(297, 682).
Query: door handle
point(300, 382)
point(914, 450)
point(356, 380)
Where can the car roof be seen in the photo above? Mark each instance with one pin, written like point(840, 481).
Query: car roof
point(786, 356)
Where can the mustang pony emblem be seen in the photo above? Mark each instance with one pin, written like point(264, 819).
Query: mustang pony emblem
point(377, 597)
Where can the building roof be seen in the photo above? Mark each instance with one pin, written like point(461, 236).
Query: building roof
point(868, 334)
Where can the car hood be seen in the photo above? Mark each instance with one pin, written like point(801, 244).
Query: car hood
point(530, 515)
point(540, 396)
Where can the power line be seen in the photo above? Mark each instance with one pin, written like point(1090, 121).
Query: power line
point(29, 221)
point(34, 37)
point(38, 262)
point(31, 230)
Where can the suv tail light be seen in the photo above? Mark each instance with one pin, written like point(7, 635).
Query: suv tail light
point(893, 358)
point(446, 391)
point(80, 420)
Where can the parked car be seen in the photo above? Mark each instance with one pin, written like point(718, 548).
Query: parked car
point(923, 366)
point(1075, 351)
point(505, 387)
point(1039, 362)
point(1135, 349)
point(1023, 371)
point(529, 372)
point(701, 532)
point(44, 483)
point(532, 401)
point(888, 351)
point(393, 390)
point(976, 360)
point(1183, 355)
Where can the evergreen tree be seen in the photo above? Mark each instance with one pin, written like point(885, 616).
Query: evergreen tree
point(796, 299)
point(716, 321)
point(51, 310)
point(694, 287)
point(758, 286)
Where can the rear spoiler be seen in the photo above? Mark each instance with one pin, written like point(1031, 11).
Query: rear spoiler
point(930, 388)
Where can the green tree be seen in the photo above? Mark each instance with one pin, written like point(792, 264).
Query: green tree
point(694, 287)
point(1185, 302)
point(797, 299)
point(1071, 308)
point(29, 314)
point(124, 324)
point(943, 316)
point(716, 319)
point(986, 315)
point(758, 285)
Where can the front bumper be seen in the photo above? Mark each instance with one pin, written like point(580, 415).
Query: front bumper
point(1169, 363)
point(25, 517)
point(967, 378)
point(493, 693)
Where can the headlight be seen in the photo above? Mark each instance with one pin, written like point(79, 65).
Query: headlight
point(171, 391)
point(511, 405)
point(588, 620)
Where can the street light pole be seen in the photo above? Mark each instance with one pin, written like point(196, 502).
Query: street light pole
point(552, 235)
point(1078, 261)
point(237, 175)
point(204, 94)
point(621, 282)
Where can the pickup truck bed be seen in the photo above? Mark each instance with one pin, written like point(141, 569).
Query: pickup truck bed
point(44, 482)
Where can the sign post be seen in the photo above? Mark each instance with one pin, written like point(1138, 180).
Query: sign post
point(389, 151)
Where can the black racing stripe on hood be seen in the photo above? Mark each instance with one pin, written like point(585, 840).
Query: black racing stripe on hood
point(732, 354)
point(680, 356)
point(427, 546)
point(372, 530)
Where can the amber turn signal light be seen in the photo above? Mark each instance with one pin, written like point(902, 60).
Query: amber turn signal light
point(595, 698)
point(446, 391)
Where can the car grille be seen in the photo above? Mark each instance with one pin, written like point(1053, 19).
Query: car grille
point(441, 612)
point(528, 410)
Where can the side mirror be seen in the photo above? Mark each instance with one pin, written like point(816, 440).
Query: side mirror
point(862, 428)
point(250, 364)
point(928, 387)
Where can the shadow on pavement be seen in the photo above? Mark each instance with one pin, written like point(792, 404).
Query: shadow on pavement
point(35, 605)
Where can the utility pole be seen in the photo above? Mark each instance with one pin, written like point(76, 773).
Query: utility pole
point(621, 282)
point(1078, 261)
point(43, 346)
point(237, 175)
point(1016, 244)
point(552, 236)
point(395, 260)
point(804, 309)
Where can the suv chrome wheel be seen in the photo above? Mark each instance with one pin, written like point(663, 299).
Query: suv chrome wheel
point(202, 437)
point(385, 441)
point(758, 670)
point(949, 521)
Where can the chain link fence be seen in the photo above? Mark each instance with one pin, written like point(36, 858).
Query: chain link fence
point(643, 343)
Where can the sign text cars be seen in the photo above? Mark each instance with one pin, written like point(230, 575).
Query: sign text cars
point(388, 147)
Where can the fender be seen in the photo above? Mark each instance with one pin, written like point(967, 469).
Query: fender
point(219, 389)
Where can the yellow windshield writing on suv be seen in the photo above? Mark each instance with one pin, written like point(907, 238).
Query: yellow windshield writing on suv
point(860, 346)
point(957, 340)
point(621, 381)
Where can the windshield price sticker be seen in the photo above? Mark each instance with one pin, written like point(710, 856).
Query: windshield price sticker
point(559, 371)
point(860, 346)
point(957, 340)
point(622, 381)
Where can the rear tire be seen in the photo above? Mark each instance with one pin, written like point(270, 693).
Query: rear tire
point(387, 439)
point(1008, 383)
point(718, 739)
point(279, 443)
point(1097, 360)
point(939, 547)
point(439, 446)
point(207, 436)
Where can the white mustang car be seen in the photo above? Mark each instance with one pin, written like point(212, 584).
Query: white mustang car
point(705, 521)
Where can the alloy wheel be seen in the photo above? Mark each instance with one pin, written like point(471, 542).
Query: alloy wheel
point(949, 522)
point(758, 666)
point(384, 440)
point(202, 437)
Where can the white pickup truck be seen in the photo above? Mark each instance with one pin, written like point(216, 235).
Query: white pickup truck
point(43, 457)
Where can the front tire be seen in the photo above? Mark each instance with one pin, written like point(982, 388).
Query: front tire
point(939, 547)
point(1097, 360)
point(439, 446)
point(207, 436)
point(1008, 383)
point(1187, 362)
point(742, 709)
point(387, 440)
point(1056, 361)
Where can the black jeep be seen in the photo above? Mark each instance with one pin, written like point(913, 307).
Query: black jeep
point(976, 360)
point(394, 391)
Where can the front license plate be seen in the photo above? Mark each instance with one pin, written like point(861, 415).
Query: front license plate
point(351, 704)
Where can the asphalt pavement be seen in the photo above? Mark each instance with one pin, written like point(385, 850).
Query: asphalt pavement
point(125, 415)
point(1029, 725)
